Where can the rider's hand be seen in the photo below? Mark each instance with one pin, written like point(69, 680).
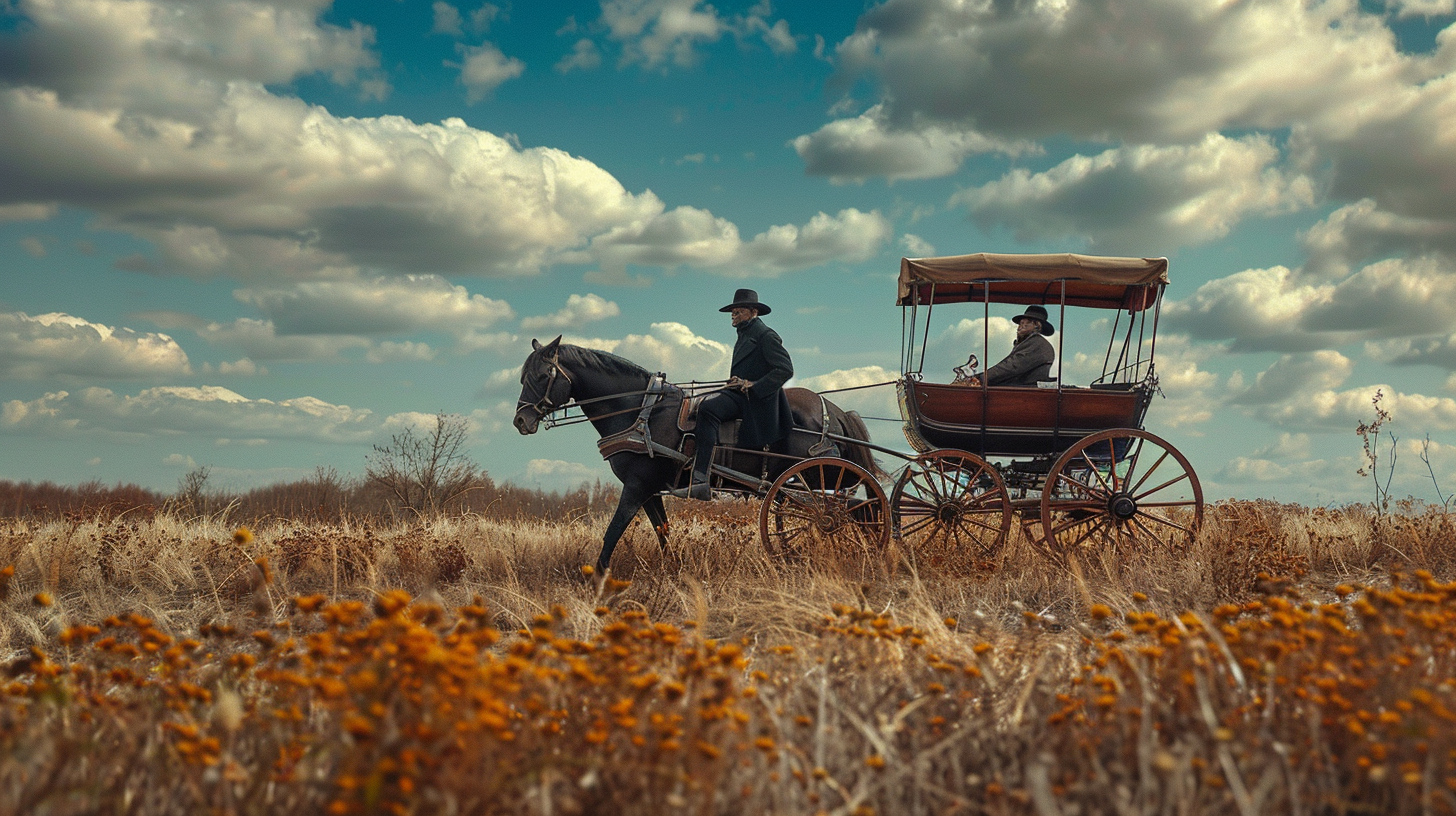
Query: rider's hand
point(740, 384)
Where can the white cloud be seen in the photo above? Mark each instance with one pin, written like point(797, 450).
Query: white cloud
point(1361, 231)
point(1293, 376)
point(1343, 410)
point(558, 475)
point(1279, 309)
point(579, 309)
point(668, 347)
point(171, 58)
point(1143, 196)
point(404, 352)
point(260, 341)
point(655, 33)
point(851, 150)
point(57, 344)
point(208, 411)
point(878, 401)
point(1260, 309)
point(584, 56)
point(377, 306)
point(697, 238)
point(158, 118)
point(484, 69)
point(447, 19)
point(916, 247)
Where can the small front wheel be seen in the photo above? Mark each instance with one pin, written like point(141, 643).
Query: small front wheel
point(951, 503)
point(825, 506)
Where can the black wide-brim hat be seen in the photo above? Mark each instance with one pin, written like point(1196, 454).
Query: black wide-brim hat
point(1038, 313)
point(749, 298)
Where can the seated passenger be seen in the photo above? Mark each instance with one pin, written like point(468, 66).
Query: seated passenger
point(1031, 358)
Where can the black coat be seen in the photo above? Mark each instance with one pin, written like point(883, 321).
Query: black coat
point(1030, 360)
point(759, 357)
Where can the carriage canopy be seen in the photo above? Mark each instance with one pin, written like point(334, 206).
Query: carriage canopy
point(1095, 281)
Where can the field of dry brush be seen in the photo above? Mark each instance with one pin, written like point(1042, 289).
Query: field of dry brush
point(1291, 660)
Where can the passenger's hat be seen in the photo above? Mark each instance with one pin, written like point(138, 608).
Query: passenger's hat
point(1038, 313)
point(748, 298)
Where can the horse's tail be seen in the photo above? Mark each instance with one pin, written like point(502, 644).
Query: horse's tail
point(854, 427)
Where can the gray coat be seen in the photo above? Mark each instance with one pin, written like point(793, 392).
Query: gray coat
point(1030, 360)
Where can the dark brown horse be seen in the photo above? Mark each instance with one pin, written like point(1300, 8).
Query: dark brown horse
point(610, 389)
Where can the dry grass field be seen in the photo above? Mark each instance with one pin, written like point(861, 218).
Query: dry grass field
point(1291, 660)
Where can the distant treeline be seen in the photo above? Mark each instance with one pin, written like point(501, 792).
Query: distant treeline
point(326, 496)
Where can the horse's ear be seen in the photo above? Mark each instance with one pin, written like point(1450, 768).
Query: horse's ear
point(535, 346)
point(554, 343)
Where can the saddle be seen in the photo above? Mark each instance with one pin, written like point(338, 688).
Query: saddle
point(687, 421)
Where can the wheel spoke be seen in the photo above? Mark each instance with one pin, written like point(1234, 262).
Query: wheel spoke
point(1181, 477)
point(1164, 521)
point(1150, 471)
point(1092, 466)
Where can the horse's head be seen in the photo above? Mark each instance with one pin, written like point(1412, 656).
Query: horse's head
point(545, 386)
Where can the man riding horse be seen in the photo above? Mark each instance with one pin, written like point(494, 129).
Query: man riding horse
point(755, 392)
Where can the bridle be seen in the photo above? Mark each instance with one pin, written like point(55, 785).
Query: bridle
point(544, 406)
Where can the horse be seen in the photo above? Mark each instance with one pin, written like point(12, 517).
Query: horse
point(609, 390)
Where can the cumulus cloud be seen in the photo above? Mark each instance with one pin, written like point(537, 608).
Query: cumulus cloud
point(158, 118)
point(57, 344)
point(1143, 196)
point(559, 475)
point(208, 411)
point(404, 352)
point(1343, 410)
point(656, 33)
point(1360, 232)
point(260, 341)
point(851, 150)
point(1032, 70)
point(1280, 309)
point(376, 306)
point(669, 347)
point(579, 309)
point(687, 236)
point(1294, 375)
point(485, 68)
point(174, 59)
point(878, 401)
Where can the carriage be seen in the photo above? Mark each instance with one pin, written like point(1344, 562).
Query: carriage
point(1071, 462)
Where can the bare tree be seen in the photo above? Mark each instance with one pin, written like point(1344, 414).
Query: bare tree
point(191, 494)
point(425, 472)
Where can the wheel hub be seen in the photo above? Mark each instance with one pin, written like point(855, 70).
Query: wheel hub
point(948, 513)
point(1122, 506)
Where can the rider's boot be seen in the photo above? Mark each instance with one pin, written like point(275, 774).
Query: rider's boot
point(696, 489)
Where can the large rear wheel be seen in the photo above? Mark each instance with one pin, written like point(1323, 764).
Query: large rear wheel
point(826, 506)
point(1124, 489)
point(950, 504)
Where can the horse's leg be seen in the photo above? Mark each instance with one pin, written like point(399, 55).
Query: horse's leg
point(657, 514)
point(633, 496)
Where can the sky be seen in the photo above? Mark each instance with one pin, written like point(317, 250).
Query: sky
point(261, 237)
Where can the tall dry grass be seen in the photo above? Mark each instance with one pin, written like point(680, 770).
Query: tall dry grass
point(1288, 660)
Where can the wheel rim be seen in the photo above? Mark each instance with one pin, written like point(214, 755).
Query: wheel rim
point(948, 503)
point(824, 504)
point(1123, 488)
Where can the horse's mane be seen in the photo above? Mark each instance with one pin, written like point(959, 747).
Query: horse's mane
point(604, 361)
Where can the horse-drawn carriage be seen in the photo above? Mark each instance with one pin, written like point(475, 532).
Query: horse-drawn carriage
point(1072, 462)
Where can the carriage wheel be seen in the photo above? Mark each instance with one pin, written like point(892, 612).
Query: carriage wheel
point(825, 505)
point(951, 502)
point(1123, 488)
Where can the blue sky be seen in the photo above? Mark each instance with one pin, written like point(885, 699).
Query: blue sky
point(262, 236)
